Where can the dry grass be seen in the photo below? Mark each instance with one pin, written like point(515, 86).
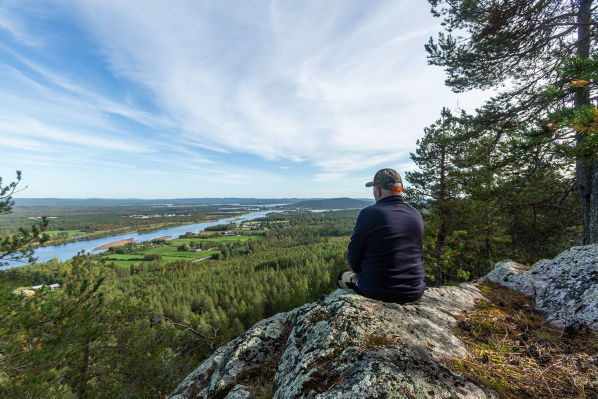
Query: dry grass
point(319, 317)
point(515, 352)
point(374, 341)
point(324, 378)
point(260, 380)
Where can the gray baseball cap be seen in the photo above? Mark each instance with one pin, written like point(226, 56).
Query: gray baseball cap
point(386, 178)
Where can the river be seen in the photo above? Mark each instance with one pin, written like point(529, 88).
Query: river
point(67, 251)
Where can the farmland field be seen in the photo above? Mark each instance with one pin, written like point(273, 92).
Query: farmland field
point(170, 252)
point(70, 233)
point(110, 217)
point(205, 237)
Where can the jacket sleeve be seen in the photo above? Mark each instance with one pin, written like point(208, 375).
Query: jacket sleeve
point(357, 244)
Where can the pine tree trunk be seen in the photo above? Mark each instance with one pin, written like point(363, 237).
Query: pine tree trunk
point(487, 250)
point(84, 373)
point(442, 217)
point(593, 218)
point(587, 170)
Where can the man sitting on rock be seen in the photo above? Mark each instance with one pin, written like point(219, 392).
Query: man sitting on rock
point(385, 252)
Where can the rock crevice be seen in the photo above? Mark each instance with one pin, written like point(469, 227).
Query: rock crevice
point(565, 288)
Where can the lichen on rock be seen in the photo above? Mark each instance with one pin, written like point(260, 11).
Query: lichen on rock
point(346, 346)
point(565, 288)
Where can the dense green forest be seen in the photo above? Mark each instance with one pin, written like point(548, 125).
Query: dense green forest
point(527, 158)
point(517, 178)
point(82, 339)
point(141, 326)
point(332, 203)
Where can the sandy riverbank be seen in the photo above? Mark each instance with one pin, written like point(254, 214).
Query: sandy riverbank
point(119, 243)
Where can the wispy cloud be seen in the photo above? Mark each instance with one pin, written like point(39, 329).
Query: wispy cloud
point(335, 84)
point(204, 95)
point(27, 127)
point(14, 26)
point(8, 140)
point(57, 89)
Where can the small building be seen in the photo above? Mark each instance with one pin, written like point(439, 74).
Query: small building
point(54, 286)
point(37, 287)
point(28, 292)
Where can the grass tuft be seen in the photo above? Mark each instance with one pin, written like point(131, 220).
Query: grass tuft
point(372, 341)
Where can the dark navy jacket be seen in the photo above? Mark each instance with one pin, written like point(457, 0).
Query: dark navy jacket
point(386, 251)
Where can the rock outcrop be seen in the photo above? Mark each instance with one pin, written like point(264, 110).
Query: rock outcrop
point(565, 288)
point(345, 346)
point(349, 346)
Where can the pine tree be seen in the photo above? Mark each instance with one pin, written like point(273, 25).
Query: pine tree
point(82, 340)
point(436, 185)
point(526, 46)
point(18, 247)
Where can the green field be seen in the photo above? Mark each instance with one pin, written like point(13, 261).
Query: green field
point(170, 253)
point(242, 238)
point(71, 233)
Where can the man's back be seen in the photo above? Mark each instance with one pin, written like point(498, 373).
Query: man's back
point(386, 251)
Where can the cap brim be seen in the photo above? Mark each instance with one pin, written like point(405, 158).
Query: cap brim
point(369, 184)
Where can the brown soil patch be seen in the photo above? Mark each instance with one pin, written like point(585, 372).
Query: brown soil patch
point(514, 351)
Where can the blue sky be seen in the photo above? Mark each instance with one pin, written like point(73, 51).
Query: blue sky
point(157, 99)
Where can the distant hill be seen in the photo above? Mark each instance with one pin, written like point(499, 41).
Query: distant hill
point(69, 202)
point(332, 203)
point(291, 203)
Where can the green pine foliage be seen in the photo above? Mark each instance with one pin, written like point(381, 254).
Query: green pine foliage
point(84, 340)
point(541, 58)
point(18, 246)
point(482, 204)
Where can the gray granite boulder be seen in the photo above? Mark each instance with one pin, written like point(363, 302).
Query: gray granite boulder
point(565, 288)
point(345, 346)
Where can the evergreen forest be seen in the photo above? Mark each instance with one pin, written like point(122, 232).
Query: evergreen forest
point(139, 330)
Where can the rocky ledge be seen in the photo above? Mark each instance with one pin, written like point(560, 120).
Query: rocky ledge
point(565, 288)
point(348, 346)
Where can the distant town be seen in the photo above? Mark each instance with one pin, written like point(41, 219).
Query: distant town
point(157, 215)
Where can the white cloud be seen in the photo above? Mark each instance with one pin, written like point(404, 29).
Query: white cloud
point(12, 24)
point(197, 90)
point(343, 86)
point(59, 90)
point(22, 144)
point(27, 127)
